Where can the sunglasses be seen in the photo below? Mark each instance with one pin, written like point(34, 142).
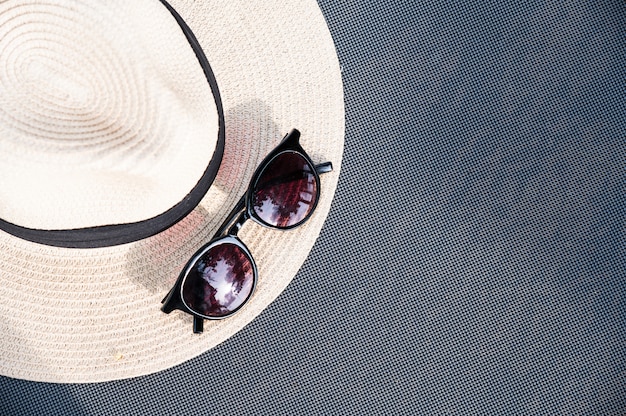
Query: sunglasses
point(220, 277)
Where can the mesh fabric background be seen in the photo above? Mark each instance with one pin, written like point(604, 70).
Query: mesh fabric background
point(473, 261)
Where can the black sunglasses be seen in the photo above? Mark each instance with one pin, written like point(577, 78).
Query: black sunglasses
point(220, 277)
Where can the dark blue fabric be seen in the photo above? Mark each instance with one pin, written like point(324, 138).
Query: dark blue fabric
point(473, 262)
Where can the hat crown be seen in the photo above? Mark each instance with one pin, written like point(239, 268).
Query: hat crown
point(106, 115)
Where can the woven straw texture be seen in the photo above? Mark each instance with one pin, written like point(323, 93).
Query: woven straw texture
point(89, 315)
point(106, 116)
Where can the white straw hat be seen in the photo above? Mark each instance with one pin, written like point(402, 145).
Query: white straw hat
point(122, 151)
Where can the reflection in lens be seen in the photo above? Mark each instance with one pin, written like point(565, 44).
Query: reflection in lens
point(219, 282)
point(286, 191)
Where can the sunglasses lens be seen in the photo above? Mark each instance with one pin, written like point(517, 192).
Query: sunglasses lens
point(286, 191)
point(220, 281)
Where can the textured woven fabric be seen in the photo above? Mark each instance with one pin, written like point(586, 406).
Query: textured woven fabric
point(74, 315)
point(472, 263)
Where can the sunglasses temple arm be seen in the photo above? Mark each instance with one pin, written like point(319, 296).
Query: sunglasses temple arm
point(198, 325)
point(324, 168)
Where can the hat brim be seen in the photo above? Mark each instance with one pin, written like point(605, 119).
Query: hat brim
point(91, 315)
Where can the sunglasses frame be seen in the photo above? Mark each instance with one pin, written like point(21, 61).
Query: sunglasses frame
point(227, 233)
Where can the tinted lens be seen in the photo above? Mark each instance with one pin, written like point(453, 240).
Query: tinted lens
point(219, 282)
point(286, 191)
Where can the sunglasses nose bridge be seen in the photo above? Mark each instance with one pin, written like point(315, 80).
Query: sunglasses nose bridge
point(235, 220)
point(238, 223)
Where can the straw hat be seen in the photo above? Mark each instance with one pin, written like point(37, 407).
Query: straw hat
point(122, 151)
